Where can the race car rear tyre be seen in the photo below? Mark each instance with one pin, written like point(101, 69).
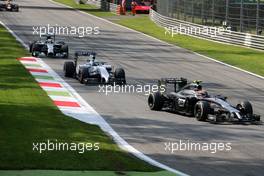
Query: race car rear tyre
point(69, 69)
point(155, 101)
point(83, 74)
point(120, 75)
point(245, 107)
point(201, 110)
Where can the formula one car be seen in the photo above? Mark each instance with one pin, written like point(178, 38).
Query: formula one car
point(191, 99)
point(49, 47)
point(93, 71)
point(8, 6)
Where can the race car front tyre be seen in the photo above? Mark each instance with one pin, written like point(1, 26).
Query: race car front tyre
point(83, 74)
point(120, 76)
point(16, 9)
point(201, 110)
point(245, 107)
point(69, 69)
point(65, 50)
point(30, 47)
point(155, 101)
point(35, 53)
point(35, 49)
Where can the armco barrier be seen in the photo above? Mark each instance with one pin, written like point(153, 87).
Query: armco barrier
point(94, 2)
point(225, 36)
point(103, 4)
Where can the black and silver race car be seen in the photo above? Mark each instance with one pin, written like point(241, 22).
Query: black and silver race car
point(48, 46)
point(192, 100)
point(8, 5)
point(92, 70)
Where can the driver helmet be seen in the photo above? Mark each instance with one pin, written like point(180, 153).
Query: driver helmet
point(201, 92)
point(49, 39)
point(91, 61)
point(199, 87)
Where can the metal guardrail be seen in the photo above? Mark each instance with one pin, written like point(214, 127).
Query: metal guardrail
point(103, 4)
point(94, 2)
point(113, 7)
point(174, 26)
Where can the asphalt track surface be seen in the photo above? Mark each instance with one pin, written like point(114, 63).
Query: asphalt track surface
point(146, 60)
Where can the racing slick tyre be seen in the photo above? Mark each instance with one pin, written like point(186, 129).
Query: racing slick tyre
point(189, 105)
point(35, 50)
point(65, 49)
point(15, 9)
point(30, 47)
point(69, 69)
point(120, 76)
point(35, 53)
point(245, 107)
point(201, 110)
point(155, 101)
point(83, 74)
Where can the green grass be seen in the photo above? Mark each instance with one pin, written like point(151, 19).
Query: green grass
point(245, 58)
point(28, 116)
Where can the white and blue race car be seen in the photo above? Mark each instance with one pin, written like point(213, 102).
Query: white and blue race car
point(92, 70)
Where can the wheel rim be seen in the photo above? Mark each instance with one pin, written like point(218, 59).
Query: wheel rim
point(198, 112)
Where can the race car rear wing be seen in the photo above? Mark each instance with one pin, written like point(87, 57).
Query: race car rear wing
point(77, 54)
point(84, 53)
point(52, 35)
point(177, 82)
